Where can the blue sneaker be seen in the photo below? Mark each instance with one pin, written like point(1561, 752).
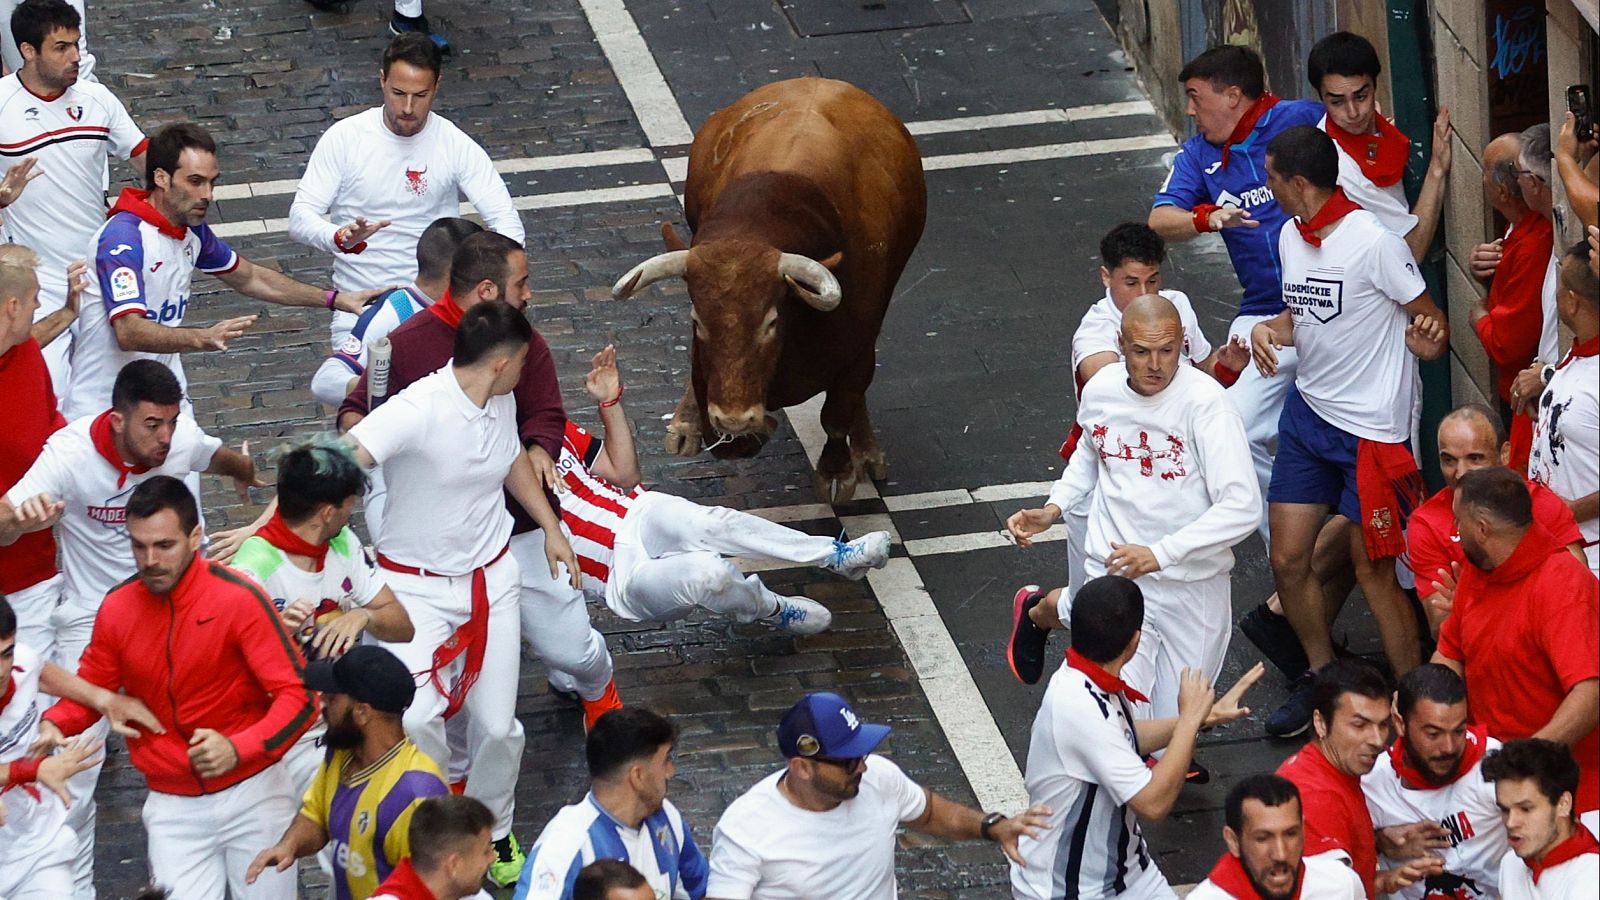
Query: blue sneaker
point(852, 559)
point(399, 25)
point(797, 615)
point(1294, 716)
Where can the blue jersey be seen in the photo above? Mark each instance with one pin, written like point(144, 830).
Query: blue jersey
point(1198, 176)
point(661, 849)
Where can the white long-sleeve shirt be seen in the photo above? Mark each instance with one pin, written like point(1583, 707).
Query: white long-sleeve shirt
point(1171, 472)
point(361, 168)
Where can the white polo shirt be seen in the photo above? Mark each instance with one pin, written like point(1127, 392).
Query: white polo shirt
point(1347, 298)
point(1466, 809)
point(1566, 441)
point(445, 460)
point(71, 135)
point(34, 818)
point(1100, 331)
point(1084, 763)
point(142, 266)
point(93, 534)
point(766, 848)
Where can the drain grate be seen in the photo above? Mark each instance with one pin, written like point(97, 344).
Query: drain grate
point(815, 18)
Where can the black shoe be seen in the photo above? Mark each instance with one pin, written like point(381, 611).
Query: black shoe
point(399, 25)
point(1025, 650)
point(1275, 638)
point(1294, 716)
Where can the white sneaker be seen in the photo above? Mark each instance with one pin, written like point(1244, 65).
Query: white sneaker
point(797, 615)
point(852, 559)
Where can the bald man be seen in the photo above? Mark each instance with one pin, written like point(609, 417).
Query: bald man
point(1166, 468)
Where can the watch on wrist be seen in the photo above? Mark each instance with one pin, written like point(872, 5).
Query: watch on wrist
point(985, 827)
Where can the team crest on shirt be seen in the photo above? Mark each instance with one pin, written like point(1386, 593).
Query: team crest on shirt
point(1382, 520)
point(362, 821)
point(416, 183)
point(75, 113)
point(351, 345)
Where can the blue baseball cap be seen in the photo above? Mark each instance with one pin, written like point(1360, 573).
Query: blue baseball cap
point(824, 725)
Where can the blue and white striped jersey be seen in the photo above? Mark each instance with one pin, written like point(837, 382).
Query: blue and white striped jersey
point(661, 849)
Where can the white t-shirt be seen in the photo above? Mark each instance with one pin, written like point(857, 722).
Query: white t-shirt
point(1348, 299)
point(93, 534)
point(1084, 755)
point(1388, 204)
point(33, 818)
point(766, 848)
point(445, 461)
point(1566, 441)
point(136, 270)
point(361, 168)
point(1575, 879)
point(1550, 334)
point(71, 136)
point(348, 579)
point(1465, 808)
point(1327, 877)
point(1100, 330)
point(1171, 472)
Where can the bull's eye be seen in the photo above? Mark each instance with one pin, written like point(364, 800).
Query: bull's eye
point(769, 327)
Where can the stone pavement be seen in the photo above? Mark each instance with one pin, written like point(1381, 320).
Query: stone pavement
point(973, 389)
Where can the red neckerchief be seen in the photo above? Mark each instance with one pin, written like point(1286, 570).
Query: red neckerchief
point(1102, 679)
point(1568, 850)
point(1382, 156)
point(447, 310)
point(277, 533)
point(1247, 123)
point(405, 883)
point(1579, 350)
point(136, 201)
point(1477, 743)
point(1229, 874)
point(1338, 206)
point(106, 443)
point(11, 689)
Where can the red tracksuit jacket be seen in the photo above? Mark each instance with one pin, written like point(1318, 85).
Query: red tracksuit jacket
point(211, 654)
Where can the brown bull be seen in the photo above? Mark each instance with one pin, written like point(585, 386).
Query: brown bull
point(805, 199)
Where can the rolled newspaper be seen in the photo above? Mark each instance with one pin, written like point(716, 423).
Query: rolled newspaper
point(378, 371)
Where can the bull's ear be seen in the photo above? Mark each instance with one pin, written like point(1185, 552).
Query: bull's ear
point(832, 262)
point(670, 236)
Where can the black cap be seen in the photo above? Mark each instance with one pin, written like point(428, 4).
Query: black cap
point(368, 674)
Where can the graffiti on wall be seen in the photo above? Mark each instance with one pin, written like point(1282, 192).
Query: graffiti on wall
point(1515, 45)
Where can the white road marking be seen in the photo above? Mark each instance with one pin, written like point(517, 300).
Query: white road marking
point(1053, 115)
point(1161, 141)
point(636, 70)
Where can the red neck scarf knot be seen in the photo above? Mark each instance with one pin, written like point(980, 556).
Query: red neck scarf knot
point(106, 443)
point(277, 533)
point(1102, 679)
point(1382, 156)
point(1247, 123)
point(1338, 206)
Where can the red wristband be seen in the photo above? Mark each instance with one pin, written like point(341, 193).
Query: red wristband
point(1202, 217)
point(621, 389)
point(1226, 376)
point(23, 771)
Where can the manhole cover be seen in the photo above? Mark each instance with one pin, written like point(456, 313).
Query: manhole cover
point(815, 18)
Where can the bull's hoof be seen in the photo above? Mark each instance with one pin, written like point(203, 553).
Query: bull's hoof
point(682, 440)
point(836, 488)
point(876, 467)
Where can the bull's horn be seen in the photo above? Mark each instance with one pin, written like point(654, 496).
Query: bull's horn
point(666, 265)
point(811, 280)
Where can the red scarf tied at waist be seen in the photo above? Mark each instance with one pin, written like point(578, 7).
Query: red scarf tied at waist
point(277, 533)
point(470, 638)
point(1382, 156)
point(1338, 206)
point(1389, 487)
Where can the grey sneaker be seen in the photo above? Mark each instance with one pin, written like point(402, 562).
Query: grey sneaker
point(797, 615)
point(852, 559)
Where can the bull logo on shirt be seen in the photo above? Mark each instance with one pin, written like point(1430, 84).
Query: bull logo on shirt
point(1448, 886)
point(1170, 459)
point(415, 182)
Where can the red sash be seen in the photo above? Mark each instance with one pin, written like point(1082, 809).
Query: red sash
point(470, 638)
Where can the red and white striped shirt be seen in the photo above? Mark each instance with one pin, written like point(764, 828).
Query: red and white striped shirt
point(592, 507)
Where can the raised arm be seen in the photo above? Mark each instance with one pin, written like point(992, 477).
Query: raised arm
point(619, 460)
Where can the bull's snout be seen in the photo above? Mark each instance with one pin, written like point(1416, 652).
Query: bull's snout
point(736, 422)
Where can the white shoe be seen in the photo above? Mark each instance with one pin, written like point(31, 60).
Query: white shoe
point(797, 615)
point(852, 559)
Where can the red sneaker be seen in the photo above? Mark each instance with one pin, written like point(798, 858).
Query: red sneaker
point(594, 709)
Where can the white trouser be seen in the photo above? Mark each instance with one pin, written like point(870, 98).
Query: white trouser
point(668, 559)
point(1186, 625)
point(1077, 546)
point(46, 875)
point(1260, 402)
point(73, 623)
point(35, 606)
point(555, 620)
point(438, 605)
point(201, 846)
point(412, 8)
